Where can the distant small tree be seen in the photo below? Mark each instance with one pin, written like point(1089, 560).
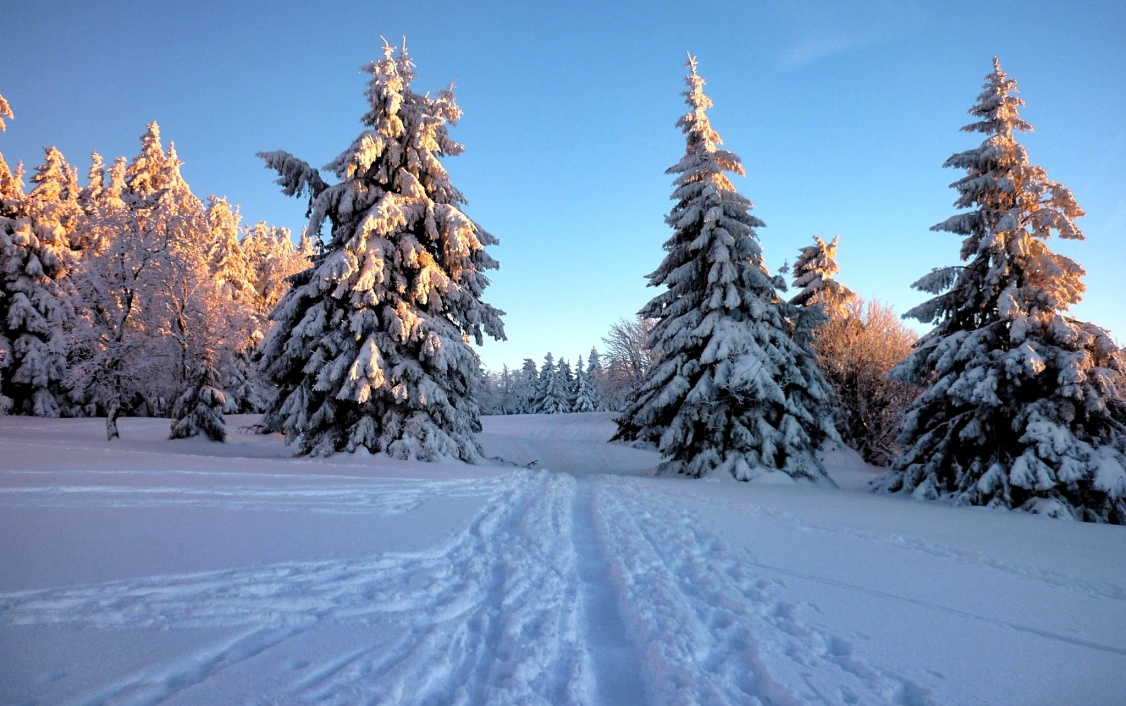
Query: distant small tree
point(566, 384)
point(527, 380)
point(550, 395)
point(814, 278)
point(585, 397)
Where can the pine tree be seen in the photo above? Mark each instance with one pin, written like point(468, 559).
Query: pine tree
point(370, 347)
point(200, 409)
point(731, 390)
point(813, 278)
point(596, 377)
point(585, 397)
point(11, 193)
point(1020, 409)
point(527, 380)
point(566, 385)
point(550, 395)
point(36, 294)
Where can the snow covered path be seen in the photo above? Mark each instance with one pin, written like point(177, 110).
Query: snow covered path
point(188, 573)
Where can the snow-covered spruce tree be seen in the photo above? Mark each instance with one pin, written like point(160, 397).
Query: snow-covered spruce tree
point(813, 278)
point(732, 390)
point(200, 409)
point(1020, 409)
point(585, 397)
point(566, 384)
point(36, 294)
point(550, 395)
point(371, 346)
point(11, 193)
point(527, 380)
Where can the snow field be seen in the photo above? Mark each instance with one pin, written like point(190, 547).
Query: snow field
point(206, 573)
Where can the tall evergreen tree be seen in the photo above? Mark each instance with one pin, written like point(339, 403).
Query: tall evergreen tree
point(731, 391)
point(370, 347)
point(11, 194)
point(1020, 409)
point(37, 300)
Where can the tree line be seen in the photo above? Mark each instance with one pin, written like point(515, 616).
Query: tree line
point(128, 295)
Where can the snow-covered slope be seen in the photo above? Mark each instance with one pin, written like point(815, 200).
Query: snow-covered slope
point(150, 571)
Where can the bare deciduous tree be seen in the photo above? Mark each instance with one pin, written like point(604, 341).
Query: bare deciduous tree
point(856, 352)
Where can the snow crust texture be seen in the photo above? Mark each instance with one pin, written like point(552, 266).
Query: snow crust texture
point(365, 580)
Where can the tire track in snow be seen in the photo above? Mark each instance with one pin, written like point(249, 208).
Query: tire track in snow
point(712, 632)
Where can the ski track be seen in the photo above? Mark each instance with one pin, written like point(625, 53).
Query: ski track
point(910, 543)
point(566, 591)
point(713, 632)
point(509, 577)
point(559, 591)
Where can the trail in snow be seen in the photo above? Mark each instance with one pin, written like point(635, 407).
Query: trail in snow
point(714, 631)
point(494, 609)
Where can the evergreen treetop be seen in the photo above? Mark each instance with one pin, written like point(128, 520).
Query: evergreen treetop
point(814, 272)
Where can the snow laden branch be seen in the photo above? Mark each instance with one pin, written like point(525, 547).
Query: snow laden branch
point(295, 176)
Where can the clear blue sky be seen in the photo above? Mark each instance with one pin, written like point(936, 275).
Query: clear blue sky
point(843, 113)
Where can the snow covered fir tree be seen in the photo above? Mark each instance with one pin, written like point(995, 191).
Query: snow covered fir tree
point(733, 389)
point(814, 278)
point(36, 297)
point(1021, 409)
point(200, 409)
point(371, 346)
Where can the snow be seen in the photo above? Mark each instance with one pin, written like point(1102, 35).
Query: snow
point(145, 571)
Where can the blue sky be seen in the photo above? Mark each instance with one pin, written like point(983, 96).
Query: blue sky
point(843, 114)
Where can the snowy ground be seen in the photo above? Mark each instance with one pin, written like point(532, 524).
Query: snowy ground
point(149, 571)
